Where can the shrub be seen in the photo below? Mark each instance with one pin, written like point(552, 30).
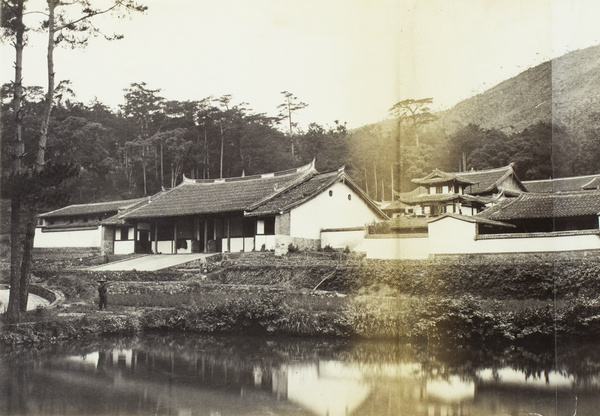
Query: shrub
point(238, 315)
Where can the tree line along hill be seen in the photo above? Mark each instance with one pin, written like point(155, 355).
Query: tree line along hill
point(546, 120)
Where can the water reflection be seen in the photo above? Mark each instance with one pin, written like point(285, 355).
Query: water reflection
point(170, 375)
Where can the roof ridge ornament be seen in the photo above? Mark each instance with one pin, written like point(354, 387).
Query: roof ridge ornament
point(187, 180)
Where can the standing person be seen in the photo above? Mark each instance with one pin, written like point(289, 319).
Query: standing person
point(103, 294)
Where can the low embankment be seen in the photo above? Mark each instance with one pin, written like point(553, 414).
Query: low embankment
point(465, 300)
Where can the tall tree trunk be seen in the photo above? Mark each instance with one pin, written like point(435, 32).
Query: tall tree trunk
point(290, 121)
point(144, 169)
point(222, 145)
point(392, 187)
point(40, 160)
point(206, 174)
point(14, 307)
point(27, 260)
point(416, 137)
point(41, 151)
point(162, 165)
point(375, 179)
point(156, 172)
point(18, 149)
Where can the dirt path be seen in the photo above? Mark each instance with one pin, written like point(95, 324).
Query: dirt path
point(150, 262)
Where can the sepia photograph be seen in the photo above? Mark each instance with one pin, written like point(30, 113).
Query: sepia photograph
point(300, 207)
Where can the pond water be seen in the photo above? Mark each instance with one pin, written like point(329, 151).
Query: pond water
point(185, 375)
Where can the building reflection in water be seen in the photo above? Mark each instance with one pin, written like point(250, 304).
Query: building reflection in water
point(169, 380)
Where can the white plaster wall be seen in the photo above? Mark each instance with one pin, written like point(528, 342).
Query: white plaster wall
point(341, 239)
point(267, 240)
point(538, 244)
point(236, 244)
point(164, 247)
point(326, 211)
point(394, 247)
point(79, 238)
point(450, 235)
point(453, 236)
point(124, 247)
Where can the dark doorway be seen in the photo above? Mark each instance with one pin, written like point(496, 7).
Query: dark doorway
point(143, 243)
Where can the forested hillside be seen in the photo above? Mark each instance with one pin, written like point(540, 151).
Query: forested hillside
point(563, 91)
point(546, 120)
point(150, 142)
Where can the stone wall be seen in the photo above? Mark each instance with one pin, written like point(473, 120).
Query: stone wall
point(53, 296)
point(66, 258)
point(150, 287)
point(301, 244)
point(67, 252)
point(520, 257)
point(108, 240)
point(282, 224)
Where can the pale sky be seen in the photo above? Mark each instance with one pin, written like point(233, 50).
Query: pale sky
point(350, 60)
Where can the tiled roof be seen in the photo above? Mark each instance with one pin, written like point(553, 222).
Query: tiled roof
point(593, 184)
point(546, 205)
point(474, 219)
point(96, 208)
point(575, 183)
point(305, 191)
point(438, 176)
point(486, 180)
point(394, 206)
point(429, 198)
point(422, 198)
point(193, 197)
point(479, 181)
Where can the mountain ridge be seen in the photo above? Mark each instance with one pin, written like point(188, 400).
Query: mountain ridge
point(560, 90)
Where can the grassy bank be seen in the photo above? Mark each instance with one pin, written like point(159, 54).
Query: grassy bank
point(465, 301)
point(465, 320)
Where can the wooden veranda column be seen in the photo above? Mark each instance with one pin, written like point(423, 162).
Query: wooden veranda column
point(174, 243)
point(228, 239)
point(155, 238)
point(206, 235)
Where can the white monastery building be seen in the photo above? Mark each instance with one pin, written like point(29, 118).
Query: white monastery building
point(242, 214)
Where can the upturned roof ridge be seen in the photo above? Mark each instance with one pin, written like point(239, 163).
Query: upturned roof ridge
point(308, 168)
point(126, 203)
point(566, 178)
point(335, 176)
point(509, 166)
point(310, 173)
